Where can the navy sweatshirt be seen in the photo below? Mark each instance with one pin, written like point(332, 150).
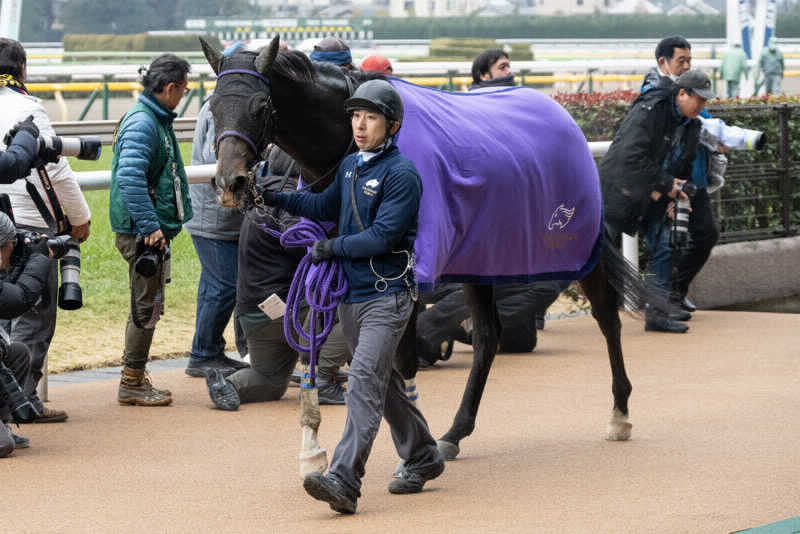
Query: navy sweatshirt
point(387, 192)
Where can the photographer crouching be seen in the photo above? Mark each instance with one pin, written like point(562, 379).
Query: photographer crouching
point(149, 204)
point(26, 266)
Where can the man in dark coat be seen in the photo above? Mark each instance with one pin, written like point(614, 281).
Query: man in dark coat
point(646, 166)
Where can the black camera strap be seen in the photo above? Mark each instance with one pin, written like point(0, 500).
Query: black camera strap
point(59, 224)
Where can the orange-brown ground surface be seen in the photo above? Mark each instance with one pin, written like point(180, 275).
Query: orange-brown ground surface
point(716, 416)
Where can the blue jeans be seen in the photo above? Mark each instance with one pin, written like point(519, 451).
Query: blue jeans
point(659, 271)
point(216, 294)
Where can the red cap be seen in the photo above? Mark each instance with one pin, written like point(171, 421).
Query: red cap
point(377, 63)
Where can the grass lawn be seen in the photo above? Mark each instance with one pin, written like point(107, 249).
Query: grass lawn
point(93, 336)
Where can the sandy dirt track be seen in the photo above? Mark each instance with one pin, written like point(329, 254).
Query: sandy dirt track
point(714, 448)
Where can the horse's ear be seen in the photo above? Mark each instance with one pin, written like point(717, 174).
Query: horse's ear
point(267, 55)
point(213, 56)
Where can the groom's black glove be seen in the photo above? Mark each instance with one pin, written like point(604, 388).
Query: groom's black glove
point(322, 250)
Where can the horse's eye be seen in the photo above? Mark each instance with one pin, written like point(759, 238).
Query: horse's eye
point(257, 106)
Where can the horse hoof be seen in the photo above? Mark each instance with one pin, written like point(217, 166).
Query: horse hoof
point(447, 449)
point(314, 461)
point(619, 429)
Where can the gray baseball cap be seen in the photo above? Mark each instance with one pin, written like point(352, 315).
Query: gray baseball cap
point(698, 82)
point(7, 229)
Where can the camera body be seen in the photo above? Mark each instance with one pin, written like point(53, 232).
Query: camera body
point(148, 257)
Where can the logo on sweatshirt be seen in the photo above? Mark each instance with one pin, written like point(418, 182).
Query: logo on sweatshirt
point(370, 188)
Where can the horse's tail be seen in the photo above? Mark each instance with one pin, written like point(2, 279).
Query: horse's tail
point(629, 282)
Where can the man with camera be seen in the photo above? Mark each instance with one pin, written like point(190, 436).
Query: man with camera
point(148, 206)
point(26, 264)
point(646, 167)
point(36, 327)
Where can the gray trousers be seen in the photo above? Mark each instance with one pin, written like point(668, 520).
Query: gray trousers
point(374, 389)
point(732, 87)
point(138, 340)
point(271, 363)
point(772, 83)
point(35, 328)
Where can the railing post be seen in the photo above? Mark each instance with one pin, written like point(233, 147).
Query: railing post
point(201, 93)
point(784, 111)
point(450, 75)
point(591, 80)
point(188, 100)
point(106, 79)
point(92, 98)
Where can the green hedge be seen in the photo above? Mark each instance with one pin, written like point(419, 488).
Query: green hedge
point(465, 49)
point(140, 42)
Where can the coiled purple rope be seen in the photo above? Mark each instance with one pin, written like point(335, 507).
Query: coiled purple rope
point(325, 285)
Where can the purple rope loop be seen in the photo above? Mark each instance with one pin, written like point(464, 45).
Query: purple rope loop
point(322, 285)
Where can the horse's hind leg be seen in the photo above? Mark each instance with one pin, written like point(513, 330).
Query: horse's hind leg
point(603, 298)
point(485, 333)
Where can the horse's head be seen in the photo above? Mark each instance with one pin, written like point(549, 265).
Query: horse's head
point(244, 115)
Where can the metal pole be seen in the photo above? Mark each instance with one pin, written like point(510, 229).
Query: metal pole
point(106, 79)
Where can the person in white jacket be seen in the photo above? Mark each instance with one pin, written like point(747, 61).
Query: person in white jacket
point(36, 327)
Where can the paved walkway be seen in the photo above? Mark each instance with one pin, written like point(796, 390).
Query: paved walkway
point(714, 447)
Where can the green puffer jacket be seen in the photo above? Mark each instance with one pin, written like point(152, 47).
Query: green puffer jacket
point(146, 161)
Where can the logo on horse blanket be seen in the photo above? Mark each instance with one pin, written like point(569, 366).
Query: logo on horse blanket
point(560, 218)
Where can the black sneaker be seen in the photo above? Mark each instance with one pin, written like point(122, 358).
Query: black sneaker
point(688, 305)
point(406, 481)
point(662, 324)
point(197, 366)
point(324, 488)
point(222, 393)
point(330, 392)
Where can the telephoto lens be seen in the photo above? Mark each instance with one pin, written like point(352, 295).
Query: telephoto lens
point(70, 296)
point(680, 233)
point(85, 147)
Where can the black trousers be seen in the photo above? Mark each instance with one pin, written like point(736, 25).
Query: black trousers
point(19, 361)
point(517, 305)
point(703, 235)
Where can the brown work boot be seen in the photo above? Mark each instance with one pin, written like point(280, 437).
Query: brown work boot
point(135, 388)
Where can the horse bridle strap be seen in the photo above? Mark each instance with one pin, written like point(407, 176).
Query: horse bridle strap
point(234, 133)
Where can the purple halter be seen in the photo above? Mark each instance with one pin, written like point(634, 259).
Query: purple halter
point(234, 133)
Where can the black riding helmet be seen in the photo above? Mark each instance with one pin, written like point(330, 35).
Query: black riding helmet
point(378, 96)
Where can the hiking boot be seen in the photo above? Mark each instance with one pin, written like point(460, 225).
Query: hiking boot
point(149, 382)
point(327, 489)
point(222, 392)
point(136, 389)
point(50, 415)
point(20, 442)
point(197, 366)
point(330, 392)
point(406, 481)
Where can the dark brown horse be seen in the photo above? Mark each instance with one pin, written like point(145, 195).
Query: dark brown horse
point(284, 98)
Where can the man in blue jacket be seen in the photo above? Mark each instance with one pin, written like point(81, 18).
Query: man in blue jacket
point(375, 198)
point(149, 204)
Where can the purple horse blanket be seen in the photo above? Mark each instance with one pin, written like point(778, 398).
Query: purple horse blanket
point(510, 189)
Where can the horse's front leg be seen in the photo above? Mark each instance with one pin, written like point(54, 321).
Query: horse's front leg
point(485, 334)
point(603, 298)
